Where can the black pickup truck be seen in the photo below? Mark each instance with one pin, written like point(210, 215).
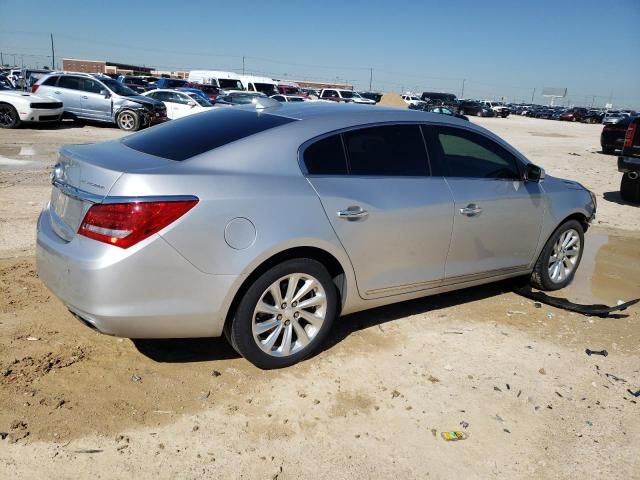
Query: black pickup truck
point(629, 163)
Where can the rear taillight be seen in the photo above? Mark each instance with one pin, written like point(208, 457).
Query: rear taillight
point(34, 88)
point(125, 224)
point(631, 133)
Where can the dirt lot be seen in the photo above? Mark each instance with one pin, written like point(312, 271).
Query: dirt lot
point(372, 404)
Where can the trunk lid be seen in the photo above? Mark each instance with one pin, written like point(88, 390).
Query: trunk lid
point(84, 175)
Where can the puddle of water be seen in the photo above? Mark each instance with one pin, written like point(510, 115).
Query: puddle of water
point(609, 271)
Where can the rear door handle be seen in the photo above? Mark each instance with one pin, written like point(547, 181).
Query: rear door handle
point(85, 97)
point(471, 210)
point(352, 213)
point(57, 92)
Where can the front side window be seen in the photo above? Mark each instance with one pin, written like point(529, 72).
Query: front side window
point(326, 157)
point(329, 94)
point(91, 86)
point(390, 150)
point(468, 154)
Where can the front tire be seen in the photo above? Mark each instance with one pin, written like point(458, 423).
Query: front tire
point(285, 314)
point(560, 257)
point(128, 120)
point(630, 188)
point(8, 116)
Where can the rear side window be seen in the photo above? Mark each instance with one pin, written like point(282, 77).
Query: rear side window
point(390, 150)
point(467, 154)
point(51, 81)
point(72, 83)
point(185, 138)
point(326, 157)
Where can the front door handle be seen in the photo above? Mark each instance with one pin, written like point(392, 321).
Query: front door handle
point(471, 210)
point(57, 92)
point(352, 213)
point(85, 97)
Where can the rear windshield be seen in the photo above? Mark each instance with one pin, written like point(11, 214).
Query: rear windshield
point(190, 136)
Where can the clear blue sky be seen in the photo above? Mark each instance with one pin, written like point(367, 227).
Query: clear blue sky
point(508, 48)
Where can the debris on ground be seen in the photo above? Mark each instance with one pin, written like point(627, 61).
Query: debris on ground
point(589, 352)
point(635, 394)
point(135, 378)
point(464, 424)
point(454, 436)
point(215, 373)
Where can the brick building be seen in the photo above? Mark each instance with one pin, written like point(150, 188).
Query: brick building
point(97, 66)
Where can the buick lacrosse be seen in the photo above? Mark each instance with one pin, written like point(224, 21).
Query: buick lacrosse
point(265, 223)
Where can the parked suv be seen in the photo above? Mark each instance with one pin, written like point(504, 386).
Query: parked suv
point(346, 96)
point(574, 115)
point(102, 99)
point(499, 108)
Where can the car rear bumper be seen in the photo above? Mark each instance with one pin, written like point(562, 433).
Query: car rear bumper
point(628, 164)
point(146, 291)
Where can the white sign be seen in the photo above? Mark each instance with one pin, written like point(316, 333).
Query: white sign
point(608, 105)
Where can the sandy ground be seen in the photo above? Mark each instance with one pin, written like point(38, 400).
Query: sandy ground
point(372, 404)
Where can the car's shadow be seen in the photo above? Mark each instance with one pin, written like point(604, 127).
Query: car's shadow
point(210, 349)
point(615, 197)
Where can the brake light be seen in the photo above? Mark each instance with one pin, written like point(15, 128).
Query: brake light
point(629, 136)
point(125, 224)
point(34, 88)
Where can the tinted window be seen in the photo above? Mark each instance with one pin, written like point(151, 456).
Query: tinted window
point(50, 81)
point(388, 150)
point(468, 154)
point(91, 86)
point(196, 134)
point(326, 157)
point(72, 83)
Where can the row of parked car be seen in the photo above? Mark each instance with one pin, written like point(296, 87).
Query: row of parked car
point(574, 114)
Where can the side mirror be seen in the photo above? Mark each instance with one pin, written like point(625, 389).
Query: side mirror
point(533, 173)
point(105, 93)
point(191, 103)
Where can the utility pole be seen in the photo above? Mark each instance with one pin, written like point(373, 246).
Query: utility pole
point(53, 54)
point(462, 92)
point(1, 59)
point(243, 64)
point(370, 77)
point(533, 95)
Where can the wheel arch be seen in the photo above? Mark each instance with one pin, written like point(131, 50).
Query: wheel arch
point(335, 268)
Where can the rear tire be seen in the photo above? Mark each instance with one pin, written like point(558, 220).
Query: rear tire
point(608, 150)
point(567, 258)
point(262, 321)
point(8, 116)
point(630, 189)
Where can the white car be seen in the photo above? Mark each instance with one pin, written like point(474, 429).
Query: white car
point(180, 104)
point(347, 96)
point(288, 98)
point(412, 99)
point(17, 106)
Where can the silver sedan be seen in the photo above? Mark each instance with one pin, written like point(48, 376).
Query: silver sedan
point(267, 222)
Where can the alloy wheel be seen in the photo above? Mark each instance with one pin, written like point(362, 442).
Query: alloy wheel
point(289, 314)
point(6, 116)
point(127, 121)
point(564, 256)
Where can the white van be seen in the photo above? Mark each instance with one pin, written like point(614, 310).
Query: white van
point(228, 81)
point(264, 85)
